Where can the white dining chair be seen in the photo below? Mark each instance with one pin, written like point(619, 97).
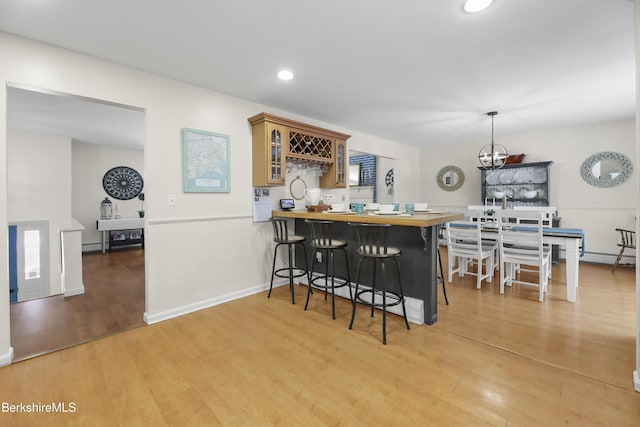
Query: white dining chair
point(485, 215)
point(549, 212)
point(520, 241)
point(481, 213)
point(465, 245)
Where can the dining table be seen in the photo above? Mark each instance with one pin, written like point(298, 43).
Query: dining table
point(415, 235)
point(571, 239)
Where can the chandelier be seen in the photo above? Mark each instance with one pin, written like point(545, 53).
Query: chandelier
point(492, 156)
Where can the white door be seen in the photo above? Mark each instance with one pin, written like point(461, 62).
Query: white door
point(32, 246)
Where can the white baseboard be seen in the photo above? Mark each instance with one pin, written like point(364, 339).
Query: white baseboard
point(7, 358)
point(92, 247)
point(200, 305)
point(604, 258)
point(74, 292)
point(415, 307)
point(636, 381)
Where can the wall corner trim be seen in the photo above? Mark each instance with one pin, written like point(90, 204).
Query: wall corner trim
point(7, 358)
point(74, 292)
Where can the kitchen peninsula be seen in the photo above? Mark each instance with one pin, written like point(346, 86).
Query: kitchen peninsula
point(415, 235)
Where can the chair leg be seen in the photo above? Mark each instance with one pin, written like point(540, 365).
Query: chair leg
point(306, 265)
point(313, 263)
point(373, 284)
point(450, 267)
point(273, 269)
point(502, 277)
point(355, 297)
point(404, 309)
point(619, 257)
point(293, 296)
point(384, 303)
point(326, 273)
point(333, 282)
point(346, 263)
point(444, 286)
point(489, 262)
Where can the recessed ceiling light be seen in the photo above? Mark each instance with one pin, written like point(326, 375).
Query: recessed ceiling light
point(285, 75)
point(473, 6)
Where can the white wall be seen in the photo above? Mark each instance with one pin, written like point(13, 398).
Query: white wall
point(39, 187)
point(385, 165)
point(636, 373)
point(89, 164)
point(206, 249)
point(596, 210)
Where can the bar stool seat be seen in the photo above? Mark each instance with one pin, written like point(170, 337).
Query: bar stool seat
point(281, 237)
point(322, 241)
point(372, 246)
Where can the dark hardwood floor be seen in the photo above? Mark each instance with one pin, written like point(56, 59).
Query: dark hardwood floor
point(113, 301)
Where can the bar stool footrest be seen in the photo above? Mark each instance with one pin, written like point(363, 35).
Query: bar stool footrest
point(395, 298)
point(338, 282)
point(284, 272)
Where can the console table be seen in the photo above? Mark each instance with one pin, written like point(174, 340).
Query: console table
point(128, 226)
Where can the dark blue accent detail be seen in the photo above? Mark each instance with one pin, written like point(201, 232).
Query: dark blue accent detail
point(368, 171)
point(13, 264)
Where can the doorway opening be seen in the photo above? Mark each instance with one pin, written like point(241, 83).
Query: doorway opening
point(59, 147)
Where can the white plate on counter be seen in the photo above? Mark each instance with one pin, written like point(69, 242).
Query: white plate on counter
point(343, 211)
point(387, 213)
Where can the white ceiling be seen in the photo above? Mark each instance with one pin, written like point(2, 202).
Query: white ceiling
point(81, 119)
point(414, 71)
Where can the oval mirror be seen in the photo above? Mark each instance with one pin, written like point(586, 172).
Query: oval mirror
point(450, 178)
point(297, 187)
point(606, 169)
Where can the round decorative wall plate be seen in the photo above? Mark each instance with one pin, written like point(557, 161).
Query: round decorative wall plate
point(122, 183)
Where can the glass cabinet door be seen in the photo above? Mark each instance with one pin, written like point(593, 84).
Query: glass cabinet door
point(341, 160)
point(276, 166)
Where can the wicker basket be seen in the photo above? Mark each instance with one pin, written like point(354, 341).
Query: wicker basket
point(515, 158)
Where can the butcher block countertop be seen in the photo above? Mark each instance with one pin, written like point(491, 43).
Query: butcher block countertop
point(419, 219)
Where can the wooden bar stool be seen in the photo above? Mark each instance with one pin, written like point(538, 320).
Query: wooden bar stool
point(372, 246)
point(322, 241)
point(281, 237)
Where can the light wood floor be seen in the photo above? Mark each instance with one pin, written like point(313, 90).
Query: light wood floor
point(491, 360)
point(113, 301)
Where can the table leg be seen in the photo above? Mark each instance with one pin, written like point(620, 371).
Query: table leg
point(103, 236)
point(572, 254)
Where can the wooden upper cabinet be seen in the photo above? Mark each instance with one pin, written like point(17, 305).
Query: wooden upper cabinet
point(336, 176)
point(277, 139)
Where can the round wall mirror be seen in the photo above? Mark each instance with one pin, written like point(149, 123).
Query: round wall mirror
point(450, 178)
point(297, 187)
point(606, 169)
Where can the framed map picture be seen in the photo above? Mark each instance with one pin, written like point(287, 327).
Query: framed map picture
point(206, 161)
